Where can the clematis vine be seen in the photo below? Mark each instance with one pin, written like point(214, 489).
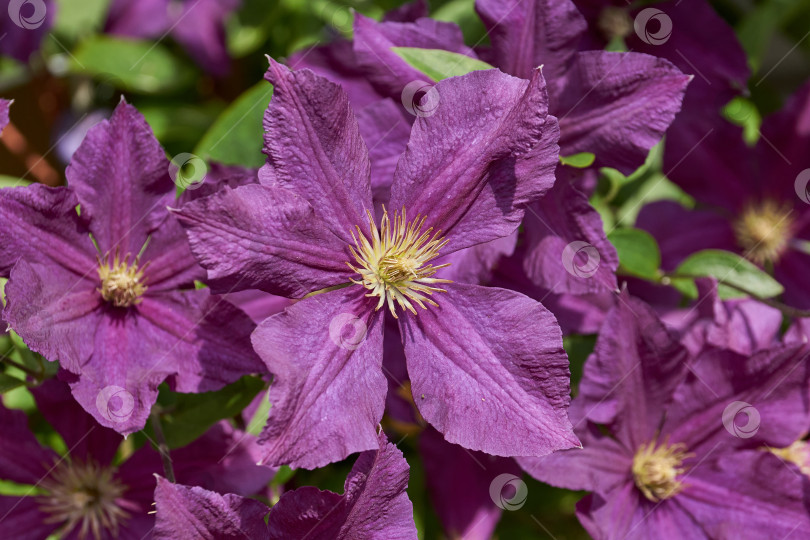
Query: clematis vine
point(486, 365)
point(87, 493)
point(689, 445)
point(107, 289)
point(374, 504)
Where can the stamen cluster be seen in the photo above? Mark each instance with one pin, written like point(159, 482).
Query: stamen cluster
point(656, 469)
point(122, 284)
point(393, 264)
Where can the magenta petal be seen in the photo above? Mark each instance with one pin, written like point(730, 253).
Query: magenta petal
point(39, 222)
point(489, 149)
point(602, 464)
point(475, 264)
point(792, 272)
point(328, 392)
point(566, 247)
point(206, 339)
point(264, 238)
point(85, 439)
point(459, 482)
point(729, 400)
point(4, 106)
point(190, 513)
point(374, 504)
point(22, 458)
point(488, 371)
point(22, 519)
point(386, 70)
point(138, 18)
point(121, 176)
point(54, 311)
point(749, 494)
point(313, 147)
point(617, 106)
point(200, 28)
point(635, 368)
point(530, 33)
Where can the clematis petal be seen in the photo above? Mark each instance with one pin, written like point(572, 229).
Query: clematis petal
point(54, 311)
point(526, 34)
point(39, 222)
point(138, 18)
point(733, 401)
point(749, 494)
point(617, 106)
point(265, 238)
point(4, 106)
point(476, 264)
point(22, 519)
point(636, 366)
point(459, 482)
point(22, 458)
point(328, 393)
point(171, 264)
point(120, 175)
point(791, 272)
point(601, 465)
point(84, 438)
point(489, 149)
point(374, 504)
point(386, 70)
point(200, 28)
point(566, 247)
point(314, 148)
point(191, 512)
point(488, 371)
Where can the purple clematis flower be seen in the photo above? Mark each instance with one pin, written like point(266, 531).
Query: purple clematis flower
point(108, 290)
point(84, 494)
point(4, 107)
point(374, 505)
point(23, 25)
point(757, 203)
point(486, 365)
point(198, 25)
point(683, 451)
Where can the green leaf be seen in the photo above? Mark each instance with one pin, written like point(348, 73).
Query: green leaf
point(75, 18)
point(638, 252)
point(745, 114)
point(137, 66)
point(7, 382)
point(731, 269)
point(12, 181)
point(438, 64)
point(580, 161)
point(235, 138)
point(187, 416)
point(462, 13)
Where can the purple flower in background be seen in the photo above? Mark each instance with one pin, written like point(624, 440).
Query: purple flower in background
point(198, 25)
point(683, 452)
point(84, 494)
point(486, 365)
point(374, 505)
point(107, 290)
point(23, 24)
point(4, 107)
point(756, 203)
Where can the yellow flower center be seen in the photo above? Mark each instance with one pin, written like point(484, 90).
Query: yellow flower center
point(83, 494)
point(797, 453)
point(764, 230)
point(656, 469)
point(393, 264)
point(615, 22)
point(122, 284)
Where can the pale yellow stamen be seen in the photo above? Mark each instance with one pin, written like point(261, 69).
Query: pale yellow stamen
point(656, 469)
point(393, 264)
point(797, 453)
point(122, 284)
point(83, 494)
point(764, 230)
